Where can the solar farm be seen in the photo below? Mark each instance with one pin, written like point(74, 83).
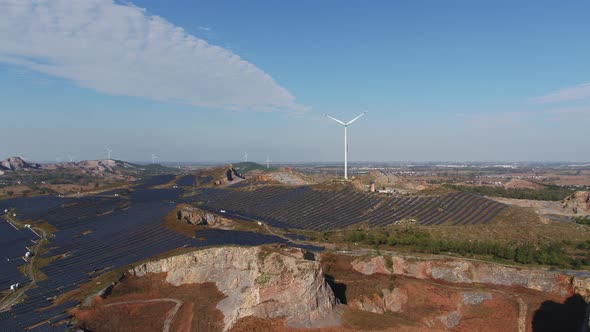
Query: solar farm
point(95, 234)
point(100, 233)
point(13, 247)
point(306, 207)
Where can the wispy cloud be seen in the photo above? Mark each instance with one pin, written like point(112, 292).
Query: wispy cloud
point(577, 92)
point(205, 28)
point(571, 111)
point(119, 49)
point(494, 119)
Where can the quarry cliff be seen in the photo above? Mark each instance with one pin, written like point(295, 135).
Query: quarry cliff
point(257, 281)
point(475, 272)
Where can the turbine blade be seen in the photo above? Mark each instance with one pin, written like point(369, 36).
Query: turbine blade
point(342, 123)
point(353, 120)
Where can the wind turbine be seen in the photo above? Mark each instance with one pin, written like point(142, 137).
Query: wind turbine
point(71, 158)
point(246, 156)
point(109, 153)
point(154, 157)
point(346, 139)
point(268, 162)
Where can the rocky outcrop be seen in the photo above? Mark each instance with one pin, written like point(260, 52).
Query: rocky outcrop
point(373, 265)
point(475, 298)
point(469, 272)
point(196, 216)
point(577, 203)
point(16, 164)
point(389, 300)
point(451, 319)
point(259, 281)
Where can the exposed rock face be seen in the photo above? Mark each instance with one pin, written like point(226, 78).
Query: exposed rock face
point(451, 319)
point(372, 266)
point(582, 286)
point(256, 281)
point(475, 298)
point(578, 202)
point(463, 271)
point(389, 300)
point(16, 164)
point(196, 216)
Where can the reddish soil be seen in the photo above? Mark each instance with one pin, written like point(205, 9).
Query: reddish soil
point(428, 301)
point(125, 317)
point(428, 307)
point(197, 313)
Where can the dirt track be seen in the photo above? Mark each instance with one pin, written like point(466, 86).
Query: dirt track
point(169, 317)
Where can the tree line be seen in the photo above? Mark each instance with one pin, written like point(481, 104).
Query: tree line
point(547, 193)
point(552, 253)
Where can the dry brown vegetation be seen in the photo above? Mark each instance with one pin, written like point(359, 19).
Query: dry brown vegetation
point(516, 224)
point(197, 313)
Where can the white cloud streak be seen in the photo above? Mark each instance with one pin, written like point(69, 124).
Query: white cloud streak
point(118, 49)
point(577, 92)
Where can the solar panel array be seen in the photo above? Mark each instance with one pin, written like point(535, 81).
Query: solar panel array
point(13, 243)
point(307, 208)
point(98, 234)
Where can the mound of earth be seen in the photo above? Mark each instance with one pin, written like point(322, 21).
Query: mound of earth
point(287, 177)
point(380, 178)
point(522, 184)
point(16, 164)
point(577, 203)
point(222, 175)
point(195, 216)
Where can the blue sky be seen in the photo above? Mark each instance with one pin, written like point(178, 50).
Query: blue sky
point(208, 80)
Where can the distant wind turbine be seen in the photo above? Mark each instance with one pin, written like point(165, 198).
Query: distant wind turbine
point(268, 161)
point(246, 156)
point(109, 153)
point(346, 139)
point(154, 157)
point(71, 158)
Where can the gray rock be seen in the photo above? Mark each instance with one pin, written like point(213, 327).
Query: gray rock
point(475, 298)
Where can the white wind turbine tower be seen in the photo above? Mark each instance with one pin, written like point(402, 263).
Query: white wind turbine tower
point(346, 139)
point(109, 153)
point(71, 158)
point(268, 161)
point(246, 156)
point(154, 157)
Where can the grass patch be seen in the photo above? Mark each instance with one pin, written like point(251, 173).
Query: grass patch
point(554, 253)
point(547, 193)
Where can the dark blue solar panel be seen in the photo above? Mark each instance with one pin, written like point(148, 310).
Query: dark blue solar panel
point(97, 234)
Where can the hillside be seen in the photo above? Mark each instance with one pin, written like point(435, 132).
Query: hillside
point(21, 178)
point(332, 206)
point(14, 164)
